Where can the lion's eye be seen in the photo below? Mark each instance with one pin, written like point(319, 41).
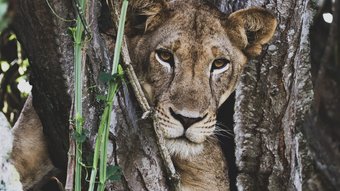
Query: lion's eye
point(165, 57)
point(220, 65)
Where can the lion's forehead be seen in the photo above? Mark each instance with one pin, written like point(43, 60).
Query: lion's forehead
point(184, 44)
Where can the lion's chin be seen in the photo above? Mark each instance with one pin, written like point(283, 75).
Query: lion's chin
point(183, 148)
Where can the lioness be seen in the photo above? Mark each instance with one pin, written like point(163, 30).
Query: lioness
point(188, 57)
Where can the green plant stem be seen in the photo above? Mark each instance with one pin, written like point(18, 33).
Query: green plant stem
point(104, 127)
point(78, 57)
point(120, 34)
point(97, 149)
point(105, 138)
point(100, 151)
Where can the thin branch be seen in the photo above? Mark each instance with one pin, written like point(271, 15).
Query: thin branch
point(169, 165)
point(69, 185)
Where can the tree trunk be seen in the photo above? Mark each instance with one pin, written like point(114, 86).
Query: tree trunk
point(50, 51)
point(273, 98)
point(272, 101)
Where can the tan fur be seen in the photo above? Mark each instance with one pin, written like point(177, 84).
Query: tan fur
point(255, 20)
point(196, 34)
point(206, 171)
point(30, 154)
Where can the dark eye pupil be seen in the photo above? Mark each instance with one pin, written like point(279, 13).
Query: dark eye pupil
point(165, 56)
point(219, 63)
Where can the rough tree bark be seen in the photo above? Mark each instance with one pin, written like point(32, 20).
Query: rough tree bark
point(272, 99)
point(272, 102)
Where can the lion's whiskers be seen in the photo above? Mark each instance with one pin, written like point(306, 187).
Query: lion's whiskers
point(223, 130)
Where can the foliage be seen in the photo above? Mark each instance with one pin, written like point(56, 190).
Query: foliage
point(113, 79)
point(14, 67)
point(3, 10)
point(13, 70)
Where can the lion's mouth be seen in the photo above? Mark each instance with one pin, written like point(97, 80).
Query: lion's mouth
point(183, 147)
point(184, 138)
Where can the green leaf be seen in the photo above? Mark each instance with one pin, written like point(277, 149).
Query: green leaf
point(107, 77)
point(101, 98)
point(115, 78)
point(80, 138)
point(72, 31)
point(104, 77)
point(120, 69)
point(79, 119)
point(113, 173)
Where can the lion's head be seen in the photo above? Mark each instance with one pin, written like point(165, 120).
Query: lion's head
point(189, 57)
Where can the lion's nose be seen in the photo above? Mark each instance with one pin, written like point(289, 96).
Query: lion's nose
point(185, 121)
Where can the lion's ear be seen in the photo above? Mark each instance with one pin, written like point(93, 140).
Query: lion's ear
point(250, 29)
point(145, 15)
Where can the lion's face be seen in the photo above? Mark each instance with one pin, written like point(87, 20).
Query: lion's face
point(188, 66)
